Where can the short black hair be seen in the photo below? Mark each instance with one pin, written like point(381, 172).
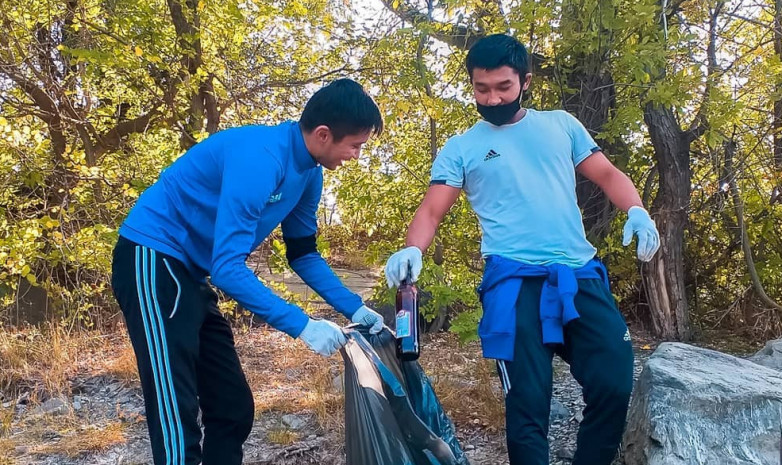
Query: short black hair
point(495, 51)
point(345, 107)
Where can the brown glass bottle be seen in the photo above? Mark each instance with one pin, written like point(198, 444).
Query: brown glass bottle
point(408, 342)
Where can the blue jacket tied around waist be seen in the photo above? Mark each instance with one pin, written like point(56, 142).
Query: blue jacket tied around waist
point(499, 291)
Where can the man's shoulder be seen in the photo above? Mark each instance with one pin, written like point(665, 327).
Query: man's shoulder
point(560, 116)
point(553, 113)
point(254, 134)
point(477, 132)
point(258, 142)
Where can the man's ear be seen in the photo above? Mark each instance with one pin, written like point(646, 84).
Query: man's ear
point(527, 80)
point(322, 133)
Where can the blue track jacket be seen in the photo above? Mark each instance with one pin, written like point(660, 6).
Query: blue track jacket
point(215, 204)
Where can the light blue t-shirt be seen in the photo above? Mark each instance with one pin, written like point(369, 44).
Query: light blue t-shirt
point(521, 181)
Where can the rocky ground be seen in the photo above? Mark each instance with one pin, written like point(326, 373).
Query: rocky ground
point(98, 418)
point(298, 422)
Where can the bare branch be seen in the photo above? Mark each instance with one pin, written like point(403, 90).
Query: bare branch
point(112, 139)
point(455, 35)
point(700, 123)
point(730, 149)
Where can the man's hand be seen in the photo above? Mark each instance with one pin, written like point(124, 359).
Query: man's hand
point(323, 337)
point(365, 316)
point(641, 224)
point(398, 264)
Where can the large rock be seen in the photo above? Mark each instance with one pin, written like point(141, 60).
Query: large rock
point(770, 355)
point(696, 406)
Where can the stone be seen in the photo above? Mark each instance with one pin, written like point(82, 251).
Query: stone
point(770, 356)
point(566, 452)
point(294, 422)
point(338, 383)
point(558, 411)
point(696, 406)
point(53, 406)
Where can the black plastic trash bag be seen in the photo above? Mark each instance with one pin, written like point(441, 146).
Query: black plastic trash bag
point(392, 415)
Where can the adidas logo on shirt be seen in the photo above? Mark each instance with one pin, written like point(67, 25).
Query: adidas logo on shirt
point(490, 155)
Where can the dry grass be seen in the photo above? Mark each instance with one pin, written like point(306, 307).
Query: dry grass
point(43, 361)
point(38, 359)
point(465, 383)
point(282, 436)
point(6, 418)
point(123, 366)
point(287, 377)
point(78, 440)
point(73, 438)
point(6, 446)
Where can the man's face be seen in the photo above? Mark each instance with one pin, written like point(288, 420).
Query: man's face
point(334, 154)
point(497, 86)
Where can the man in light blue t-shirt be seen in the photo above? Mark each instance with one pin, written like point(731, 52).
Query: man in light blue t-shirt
point(543, 290)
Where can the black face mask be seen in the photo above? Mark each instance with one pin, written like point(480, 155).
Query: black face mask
point(500, 114)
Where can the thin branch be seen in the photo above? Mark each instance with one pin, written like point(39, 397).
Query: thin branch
point(700, 123)
point(730, 149)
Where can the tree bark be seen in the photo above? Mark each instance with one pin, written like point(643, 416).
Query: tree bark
point(665, 279)
point(777, 123)
point(592, 103)
point(202, 104)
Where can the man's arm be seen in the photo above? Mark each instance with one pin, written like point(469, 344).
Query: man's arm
point(621, 191)
point(437, 201)
point(299, 230)
point(409, 261)
point(248, 180)
point(616, 185)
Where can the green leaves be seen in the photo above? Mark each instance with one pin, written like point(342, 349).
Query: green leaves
point(69, 177)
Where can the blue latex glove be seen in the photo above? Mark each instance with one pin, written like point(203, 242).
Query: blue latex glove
point(365, 316)
point(641, 224)
point(323, 337)
point(398, 264)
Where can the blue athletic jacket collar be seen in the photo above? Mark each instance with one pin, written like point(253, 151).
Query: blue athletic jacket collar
point(302, 156)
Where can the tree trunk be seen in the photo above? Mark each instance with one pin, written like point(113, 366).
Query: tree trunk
point(777, 123)
point(201, 102)
point(592, 106)
point(665, 277)
point(746, 247)
point(592, 98)
point(438, 323)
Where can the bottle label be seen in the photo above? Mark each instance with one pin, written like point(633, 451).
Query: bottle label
point(403, 324)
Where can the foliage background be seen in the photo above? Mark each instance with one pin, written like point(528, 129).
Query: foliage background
point(97, 97)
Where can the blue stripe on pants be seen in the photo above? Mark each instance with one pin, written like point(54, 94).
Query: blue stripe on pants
point(179, 449)
point(158, 362)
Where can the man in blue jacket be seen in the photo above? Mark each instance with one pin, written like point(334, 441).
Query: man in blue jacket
point(208, 211)
point(543, 290)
